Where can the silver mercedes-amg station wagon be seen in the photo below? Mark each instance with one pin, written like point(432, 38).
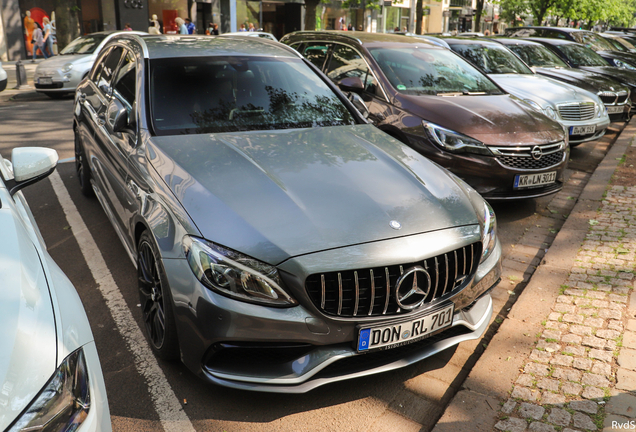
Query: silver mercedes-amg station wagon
point(281, 241)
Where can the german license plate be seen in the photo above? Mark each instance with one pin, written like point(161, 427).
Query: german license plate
point(534, 180)
point(45, 80)
point(582, 130)
point(394, 335)
point(615, 109)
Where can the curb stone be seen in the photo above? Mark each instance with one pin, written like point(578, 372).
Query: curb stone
point(497, 374)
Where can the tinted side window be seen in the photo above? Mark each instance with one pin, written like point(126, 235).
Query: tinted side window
point(555, 34)
point(109, 67)
point(316, 52)
point(99, 65)
point(125, 83)
point(346, 62)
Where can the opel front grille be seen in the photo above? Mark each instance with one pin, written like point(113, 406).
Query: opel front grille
point(371, 291)
point(521, 158)
point(578, 111)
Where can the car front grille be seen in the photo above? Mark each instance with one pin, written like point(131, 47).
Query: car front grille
point(521, 158)
point(371, 291)
point(614, 98)
point(577, 111)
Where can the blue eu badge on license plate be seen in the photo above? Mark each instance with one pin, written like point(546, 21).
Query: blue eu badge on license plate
point(363, 341)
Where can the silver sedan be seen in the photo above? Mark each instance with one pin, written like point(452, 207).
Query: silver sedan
point(59, 75)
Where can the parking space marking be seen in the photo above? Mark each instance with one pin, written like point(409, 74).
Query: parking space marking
point(171, 414)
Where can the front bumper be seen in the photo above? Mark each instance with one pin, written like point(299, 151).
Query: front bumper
point(600, 126)
point(59, 81)
point(488, 175)
point(294, 350)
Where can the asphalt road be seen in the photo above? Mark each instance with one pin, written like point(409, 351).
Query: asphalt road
point(410, 399)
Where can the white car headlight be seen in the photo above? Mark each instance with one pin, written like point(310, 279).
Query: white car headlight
point(550, 112)
point(67, 67)
point(623, 65)
point(454, 141)
point(235, 275)
point(64, 402)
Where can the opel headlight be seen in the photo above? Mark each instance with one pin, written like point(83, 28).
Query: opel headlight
point(64, 402)
point(454, 141)
point(235, 275)
point(67, 67)
point(623, 65)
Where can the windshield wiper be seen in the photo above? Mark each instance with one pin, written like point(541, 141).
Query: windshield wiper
point(450, 94)
point(467, 93)
point(462, 93)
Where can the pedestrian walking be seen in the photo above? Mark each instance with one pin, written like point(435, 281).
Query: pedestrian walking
point(190, 26)
point(48, 36)
point(38, 42)
point(127, 27)
point(181, 24)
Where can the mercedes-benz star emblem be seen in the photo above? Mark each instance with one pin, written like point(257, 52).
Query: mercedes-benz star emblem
point(536, 153)
point(395, 225)
point(411, 292)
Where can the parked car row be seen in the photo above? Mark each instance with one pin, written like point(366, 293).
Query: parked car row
point(304, 214)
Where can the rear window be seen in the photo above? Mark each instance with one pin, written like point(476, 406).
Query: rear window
point(230, 94)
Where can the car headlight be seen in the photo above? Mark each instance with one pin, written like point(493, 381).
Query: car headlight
point(489, 233)
point(623, 65)
point(550, 112)
point(486, 216)
point(67, 67)
point(454, 141)
point(64, 402)
point(534, 105)
point(235, 275)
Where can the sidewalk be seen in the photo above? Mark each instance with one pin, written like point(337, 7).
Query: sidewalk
point(564, 358)
point(25, 92)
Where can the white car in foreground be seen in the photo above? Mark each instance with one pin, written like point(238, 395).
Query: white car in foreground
point(50, 375)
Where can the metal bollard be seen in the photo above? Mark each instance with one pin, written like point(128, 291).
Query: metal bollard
point(20, 76)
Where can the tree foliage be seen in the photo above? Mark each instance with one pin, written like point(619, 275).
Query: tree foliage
point(589, 12)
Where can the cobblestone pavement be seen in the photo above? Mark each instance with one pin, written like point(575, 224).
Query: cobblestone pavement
point(580, 372)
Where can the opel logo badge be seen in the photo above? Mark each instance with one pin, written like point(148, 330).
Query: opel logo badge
point(395, 225)
point(409, 293)
point(536, 153)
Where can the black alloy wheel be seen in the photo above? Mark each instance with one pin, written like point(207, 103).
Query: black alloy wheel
point(82, 169)
point(156, 306)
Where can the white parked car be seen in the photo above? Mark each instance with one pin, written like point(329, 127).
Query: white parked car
point(580, 112)
point(59, 75)
point(3, 78)
point(50, 375)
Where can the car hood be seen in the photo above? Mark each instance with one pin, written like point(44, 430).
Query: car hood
point(58, 61)
point(500, 120)
point(625, 76)
point(584, 79)
point(541, 90)
point(27, 326)
point(278, 194)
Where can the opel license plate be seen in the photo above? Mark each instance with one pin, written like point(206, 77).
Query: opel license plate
point(534, 180)
point(582, 130)
point(615, 109)
point(394, 335)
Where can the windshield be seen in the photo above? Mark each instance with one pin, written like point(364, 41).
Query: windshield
point(594, 41)
point(231, 94)
point(537, 55)
point(431, 71)
point(84, 44)
point(617, 45)
point(492, 59)
point(581, 56)
point(627, 45)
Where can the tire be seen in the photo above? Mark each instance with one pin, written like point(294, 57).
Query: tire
point(81, 169)
point(156, 300)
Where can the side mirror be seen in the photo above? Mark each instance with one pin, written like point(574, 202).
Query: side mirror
point(351, 84)
point(116, 116)
point(30, 165)
point(357, 102)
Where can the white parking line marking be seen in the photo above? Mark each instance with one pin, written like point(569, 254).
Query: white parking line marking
point(171, 414)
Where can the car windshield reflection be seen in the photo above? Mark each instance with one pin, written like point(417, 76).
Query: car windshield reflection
point(538, 56)
point(492, 59)
point(582, 56)
point(83, 45)
point(230, 94)
point(418, 71)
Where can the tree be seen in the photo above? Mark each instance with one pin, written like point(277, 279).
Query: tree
point(310, 14)
point(67, 22)
point(540, 8)
point(511, 9)
point(479, 7)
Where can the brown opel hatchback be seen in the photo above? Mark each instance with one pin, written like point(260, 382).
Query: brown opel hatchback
point(437, 103)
